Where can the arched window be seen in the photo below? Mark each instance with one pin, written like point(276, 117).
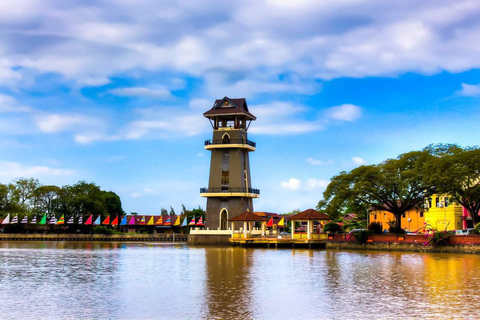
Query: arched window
point(224, 219)
point(226, 138)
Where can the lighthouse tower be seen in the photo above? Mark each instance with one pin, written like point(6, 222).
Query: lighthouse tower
point(229, 191)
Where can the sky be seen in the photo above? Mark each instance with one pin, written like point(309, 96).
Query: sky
point(113, 92)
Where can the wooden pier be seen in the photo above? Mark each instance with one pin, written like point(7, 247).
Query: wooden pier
point(274, 243)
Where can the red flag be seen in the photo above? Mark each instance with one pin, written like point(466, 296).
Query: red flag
point(115, 221)
point(270, 222)
point(107, 220)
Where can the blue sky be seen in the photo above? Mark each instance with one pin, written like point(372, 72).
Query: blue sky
point(113, 91)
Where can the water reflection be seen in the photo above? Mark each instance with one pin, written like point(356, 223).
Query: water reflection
point(228, 285)
point(68, 280)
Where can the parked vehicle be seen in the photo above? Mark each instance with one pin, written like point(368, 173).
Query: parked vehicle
point(356, 230)
point(465, 232)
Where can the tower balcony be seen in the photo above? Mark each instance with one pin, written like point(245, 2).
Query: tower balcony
point(230, 192)
point(230, 143)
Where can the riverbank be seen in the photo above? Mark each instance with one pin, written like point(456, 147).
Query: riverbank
point(159, 237)
point(403, 247)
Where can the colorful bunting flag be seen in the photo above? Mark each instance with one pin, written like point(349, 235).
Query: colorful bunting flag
point(53, 220)
point(89, 220)
point(115, 221)
point(168, 222)
point(200, 222)
point(44, 219)
point(270, 222)
point(150, 221)
point(281, 223)
point(132, 221)
point(107, 220)
point(80, 220)
point(184, 223)
point(97, 221)
point(61, 220)
point(160, 221)
point(70, 220)
point(14, 220)
point(34, 220)
point(24, 220)
point(124, 221)
point(7, 219)
point(177, 222)
point(192, 222)
point(142, 221)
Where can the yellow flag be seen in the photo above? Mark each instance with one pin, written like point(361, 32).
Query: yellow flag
point(177, 222)
point(150, 222)
point(281, 223)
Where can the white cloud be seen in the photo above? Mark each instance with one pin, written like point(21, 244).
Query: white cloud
point(272, 46)
point(315, 183)
point(470, 90)
point(281, 118)
point(9, 104)
point(358, 160)
point(11, 170)
point(142, 92)
point(292, 184)
point(144, 192)
point(52, 123)
point(316, 162)
point(344, 112)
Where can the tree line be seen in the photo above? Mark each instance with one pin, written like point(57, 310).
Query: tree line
point(30, 197)
point(400, 184)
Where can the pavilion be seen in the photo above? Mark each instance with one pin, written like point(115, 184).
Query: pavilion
point(248, 218)
point(310, 216)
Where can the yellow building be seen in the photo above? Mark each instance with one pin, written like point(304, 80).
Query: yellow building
point(412, 220)
point(439, 212)
point(442, 214)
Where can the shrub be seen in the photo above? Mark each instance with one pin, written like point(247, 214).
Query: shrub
point(395, 230)
point(438, 238)
point(375, 227)
point(102, 230)
point(476, 230)
point(332, 227)
point(361, 236)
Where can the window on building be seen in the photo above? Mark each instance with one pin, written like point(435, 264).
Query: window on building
point(225, 178)
point(429, 203)
point(375, 217)
point(421, 214)
point(438, 202)
point(447, 201)
point(404, 215)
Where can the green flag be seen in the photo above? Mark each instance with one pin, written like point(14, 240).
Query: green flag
point(44, 219)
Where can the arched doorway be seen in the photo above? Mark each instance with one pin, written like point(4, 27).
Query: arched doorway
point(224, 219)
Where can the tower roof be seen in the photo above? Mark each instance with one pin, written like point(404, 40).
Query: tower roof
point(229, 107)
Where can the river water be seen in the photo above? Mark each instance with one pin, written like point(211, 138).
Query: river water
point(66, 280)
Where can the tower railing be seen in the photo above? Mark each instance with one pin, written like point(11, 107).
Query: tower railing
point(231, 141)
point(230, 190)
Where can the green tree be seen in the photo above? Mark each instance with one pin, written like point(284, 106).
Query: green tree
point(46, 199)
point(395, 185)
point(458, 175)
point(163, 212)
point(172, 212)
point(112, 204)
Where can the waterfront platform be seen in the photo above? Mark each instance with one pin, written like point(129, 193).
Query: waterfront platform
point(271, 242)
